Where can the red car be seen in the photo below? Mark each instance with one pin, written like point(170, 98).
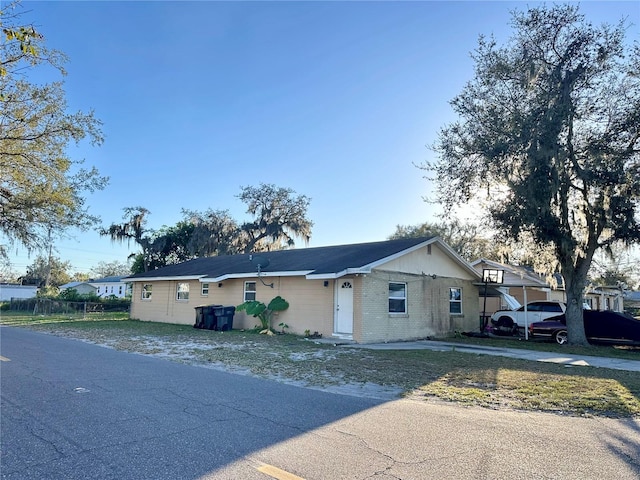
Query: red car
point(606, 327)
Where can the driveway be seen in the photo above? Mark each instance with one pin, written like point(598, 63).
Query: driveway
point(533, 355)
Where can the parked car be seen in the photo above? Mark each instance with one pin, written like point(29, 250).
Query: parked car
point(607, 327)
point(507, 322)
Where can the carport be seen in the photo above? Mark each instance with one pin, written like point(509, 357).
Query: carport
point(487, 291)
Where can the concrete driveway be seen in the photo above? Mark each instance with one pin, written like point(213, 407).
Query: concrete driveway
point(533, 355)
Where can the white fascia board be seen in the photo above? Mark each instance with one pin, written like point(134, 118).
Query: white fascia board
point(162, 279)
point(229, 276)
point(329, 276)
point(323, 276)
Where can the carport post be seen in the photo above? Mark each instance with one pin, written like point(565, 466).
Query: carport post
point(484, 308)
point(526, 313)
point(489, 276)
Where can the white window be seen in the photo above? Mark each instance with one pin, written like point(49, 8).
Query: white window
point(397, 297)
point(183, 291)
point(249, 291)
point(146, 291)
point(455, 300)
point(205, 289)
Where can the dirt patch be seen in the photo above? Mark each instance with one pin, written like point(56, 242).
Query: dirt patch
point(283, 362)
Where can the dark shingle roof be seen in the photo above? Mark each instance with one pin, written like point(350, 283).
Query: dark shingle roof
point(317, 261)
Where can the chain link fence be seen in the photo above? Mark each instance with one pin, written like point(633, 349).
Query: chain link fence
point(48, 306)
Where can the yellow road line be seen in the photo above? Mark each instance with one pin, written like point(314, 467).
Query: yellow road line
point(275, 472)
point(4, 359)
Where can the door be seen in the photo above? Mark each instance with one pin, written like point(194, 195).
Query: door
point(344, 307)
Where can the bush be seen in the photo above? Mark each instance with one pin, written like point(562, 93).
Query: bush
point(264, 312)
point(115, 304)
point(72, 295)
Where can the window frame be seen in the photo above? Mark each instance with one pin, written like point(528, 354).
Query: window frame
point(455, 301)
point(403, 297)
point(247, 291)
point(147, 291)
point(204, 289)
point(183, 292)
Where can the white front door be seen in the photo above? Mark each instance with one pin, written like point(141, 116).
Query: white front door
point(344, 307)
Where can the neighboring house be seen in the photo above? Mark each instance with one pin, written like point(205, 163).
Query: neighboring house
point(527, 286)
point(632, 302)
point(17, 291)
point(108, 286)
point(102, 287)
point(83, 288)
point(370, 292)
point(519, 282)
point(605, 298)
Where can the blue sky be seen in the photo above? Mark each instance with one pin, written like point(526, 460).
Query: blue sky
point(336, 100)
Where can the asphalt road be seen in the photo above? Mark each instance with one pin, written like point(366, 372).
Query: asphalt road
point(75, 410)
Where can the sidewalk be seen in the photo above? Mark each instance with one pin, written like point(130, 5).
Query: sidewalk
point(565, 359)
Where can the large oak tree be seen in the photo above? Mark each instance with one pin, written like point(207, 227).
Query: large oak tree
point(549, 128)
point(469, 240)
point(134, 228)
point(278, 216)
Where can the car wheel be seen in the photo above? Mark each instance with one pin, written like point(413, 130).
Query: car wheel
point(560, 337)
point(506, 325)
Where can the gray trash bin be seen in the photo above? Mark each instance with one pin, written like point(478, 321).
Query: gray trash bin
point(199, 323)
point(224, 318)
point(206, 317)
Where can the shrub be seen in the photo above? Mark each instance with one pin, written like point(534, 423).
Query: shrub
point(264, 312)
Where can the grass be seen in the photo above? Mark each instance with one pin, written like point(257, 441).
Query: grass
point(470, 379)
point(624, 352)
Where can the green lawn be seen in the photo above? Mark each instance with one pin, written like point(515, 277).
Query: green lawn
point(471, 379)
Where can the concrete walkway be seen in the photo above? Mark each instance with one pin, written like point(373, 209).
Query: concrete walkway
point(565, 359)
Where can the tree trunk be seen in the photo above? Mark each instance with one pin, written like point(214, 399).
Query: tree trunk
point(574, 288)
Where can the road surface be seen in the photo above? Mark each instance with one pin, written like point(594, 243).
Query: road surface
point(76, 410)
